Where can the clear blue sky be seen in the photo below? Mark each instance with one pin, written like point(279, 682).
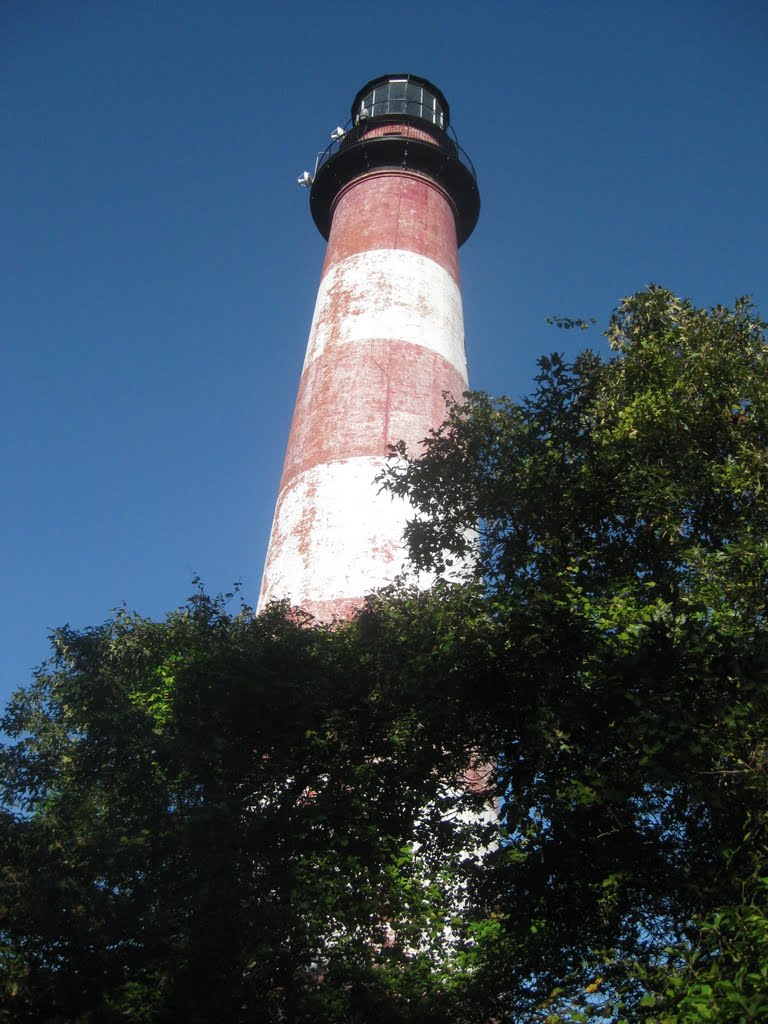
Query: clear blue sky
point(158, 262)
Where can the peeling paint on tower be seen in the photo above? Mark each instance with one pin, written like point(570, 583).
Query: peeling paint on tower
point(395, 197)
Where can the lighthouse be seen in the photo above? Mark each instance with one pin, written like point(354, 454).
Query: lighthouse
point(395, 196)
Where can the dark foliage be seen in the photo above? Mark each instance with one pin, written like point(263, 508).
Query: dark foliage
point(224, 817)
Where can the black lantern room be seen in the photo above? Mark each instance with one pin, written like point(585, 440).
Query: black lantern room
point(401, 94)
point(398, 121)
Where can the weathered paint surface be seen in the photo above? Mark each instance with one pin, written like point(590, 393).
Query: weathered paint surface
point(336, 536)
point(412, 131)
point(388, 210)
point(389, 293)
point(358, 400)
point(387, 340)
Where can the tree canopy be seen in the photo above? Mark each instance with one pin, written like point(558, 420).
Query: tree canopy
point(223, 816)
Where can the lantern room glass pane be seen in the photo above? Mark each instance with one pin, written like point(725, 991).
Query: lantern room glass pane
point(413, 104)
point(397, 103)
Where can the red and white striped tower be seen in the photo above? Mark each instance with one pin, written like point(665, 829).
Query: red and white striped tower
point(395, 197)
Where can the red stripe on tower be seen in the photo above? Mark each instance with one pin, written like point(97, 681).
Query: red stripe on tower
point(395, 197)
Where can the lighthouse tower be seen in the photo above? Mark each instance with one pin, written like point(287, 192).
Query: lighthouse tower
point(395, 196)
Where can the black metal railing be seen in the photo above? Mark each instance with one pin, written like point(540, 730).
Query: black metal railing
point(362, 131)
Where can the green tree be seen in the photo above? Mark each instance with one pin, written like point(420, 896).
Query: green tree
point(224, 817)
point(228, 817)
point(622, 554)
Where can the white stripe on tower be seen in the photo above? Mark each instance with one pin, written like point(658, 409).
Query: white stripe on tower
point(387, 340)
